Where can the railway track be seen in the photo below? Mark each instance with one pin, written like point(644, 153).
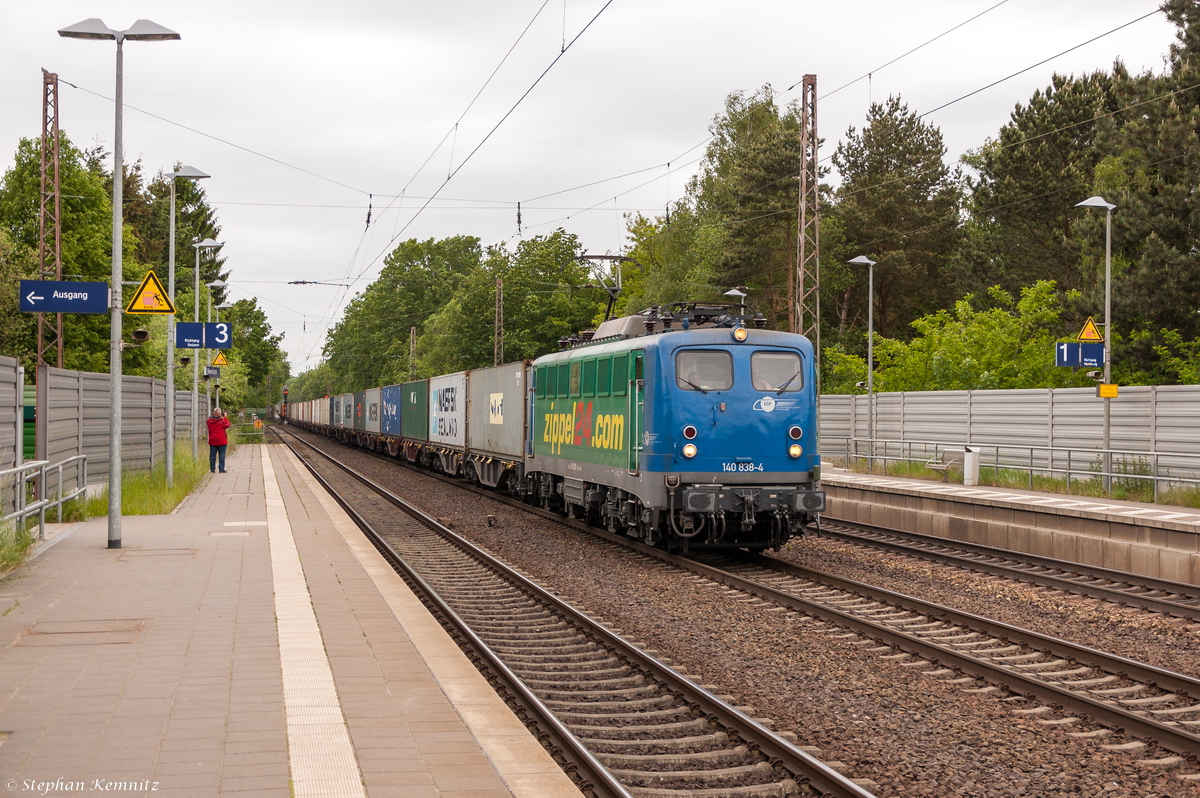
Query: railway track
point(623, 722)
point(1153, 595)
point(1071, 683)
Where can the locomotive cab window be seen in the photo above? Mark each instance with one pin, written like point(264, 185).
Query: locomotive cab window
point(703, 370)
point(778, 372)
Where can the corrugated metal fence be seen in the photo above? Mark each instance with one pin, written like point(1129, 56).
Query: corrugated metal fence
point(1145, 419)
point(12, 420)
point(73, 418)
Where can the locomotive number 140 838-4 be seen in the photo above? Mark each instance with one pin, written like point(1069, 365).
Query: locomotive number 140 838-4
point(735, 467)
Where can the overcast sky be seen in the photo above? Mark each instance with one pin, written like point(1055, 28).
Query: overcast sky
point(299, 110)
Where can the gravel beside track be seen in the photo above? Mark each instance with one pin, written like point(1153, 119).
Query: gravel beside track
point(912, 734)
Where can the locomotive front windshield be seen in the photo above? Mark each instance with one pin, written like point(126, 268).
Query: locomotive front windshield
point(704, 371)
point(776, 371)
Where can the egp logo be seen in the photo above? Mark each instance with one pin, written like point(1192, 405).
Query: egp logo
point(765, 404)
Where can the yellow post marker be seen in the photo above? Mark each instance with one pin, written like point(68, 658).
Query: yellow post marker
point(1106, 390)
point(151, 299)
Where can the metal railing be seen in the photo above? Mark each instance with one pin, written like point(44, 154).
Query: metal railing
point(1161, 470)
point(37, 486)
point(247, 433)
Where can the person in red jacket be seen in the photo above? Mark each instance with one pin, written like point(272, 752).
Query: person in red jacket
point(217, 440)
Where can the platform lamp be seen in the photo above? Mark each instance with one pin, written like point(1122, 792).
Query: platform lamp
point(1100, 202)
point(146, 31)
point(863, 260)
point(187, 173)
point(207, 243)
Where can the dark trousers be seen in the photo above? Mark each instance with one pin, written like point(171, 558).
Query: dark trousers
point(212, 457)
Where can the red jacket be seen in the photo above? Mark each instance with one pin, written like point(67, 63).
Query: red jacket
point(216, 430)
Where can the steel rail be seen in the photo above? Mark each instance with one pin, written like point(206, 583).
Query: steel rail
point(778, 750)
point(591, 776)
point(1106, 713)
point(1012, 568)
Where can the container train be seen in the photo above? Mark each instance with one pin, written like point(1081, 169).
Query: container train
point(681, 426)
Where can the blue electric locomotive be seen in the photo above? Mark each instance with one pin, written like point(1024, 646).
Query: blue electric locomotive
point(696, 436)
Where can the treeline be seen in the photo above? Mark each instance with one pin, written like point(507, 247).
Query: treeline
point(432, 311)
point(981, 267)
point(258, 368)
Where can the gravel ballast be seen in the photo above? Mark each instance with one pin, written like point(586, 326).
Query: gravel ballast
point(913, 734)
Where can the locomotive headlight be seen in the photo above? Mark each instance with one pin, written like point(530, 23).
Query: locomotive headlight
point(795, 433)
point(795, 450)
point(689, 450)
point(740, 334)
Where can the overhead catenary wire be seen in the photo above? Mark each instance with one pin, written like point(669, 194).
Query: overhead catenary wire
point(489, 134)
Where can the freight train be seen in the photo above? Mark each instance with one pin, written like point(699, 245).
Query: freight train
point(681, 426)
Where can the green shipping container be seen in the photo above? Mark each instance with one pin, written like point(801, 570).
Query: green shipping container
point(414, 418)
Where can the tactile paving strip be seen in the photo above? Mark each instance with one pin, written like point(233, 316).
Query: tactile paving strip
point(320, 755)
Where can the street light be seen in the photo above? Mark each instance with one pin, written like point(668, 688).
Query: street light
point(207, 243)
point(863, 260)
point(147, 31)
point(211, 286)
point(1100, 202)
point(188, 173)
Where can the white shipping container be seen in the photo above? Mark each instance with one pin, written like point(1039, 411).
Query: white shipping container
point(373, 410)
point(447, 409)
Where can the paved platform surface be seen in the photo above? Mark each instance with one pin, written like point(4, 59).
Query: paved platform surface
point(1127, 510)
point(251, 642)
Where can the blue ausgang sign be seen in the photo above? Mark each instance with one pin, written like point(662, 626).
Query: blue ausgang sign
point(57, 296)
point(189, 335)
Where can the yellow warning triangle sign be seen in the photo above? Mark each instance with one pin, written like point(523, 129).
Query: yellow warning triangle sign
point(220, 360)
point(150, 298)
point(1089, 333)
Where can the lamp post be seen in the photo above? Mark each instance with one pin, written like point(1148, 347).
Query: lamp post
point(188, 173)
point(1100, 202)
point(142, 30)
point(863, 260)
point(207, 243)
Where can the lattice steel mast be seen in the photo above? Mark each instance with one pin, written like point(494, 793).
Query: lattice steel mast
point(50, 333)
point(806, 314)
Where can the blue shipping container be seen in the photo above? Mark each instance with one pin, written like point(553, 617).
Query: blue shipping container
point(390, 402)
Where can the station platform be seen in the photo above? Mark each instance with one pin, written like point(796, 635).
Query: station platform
point(1155, 540)
point(251, 642)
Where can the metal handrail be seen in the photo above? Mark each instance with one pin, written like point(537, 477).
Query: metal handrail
point(1036, 460)
point(37, 471)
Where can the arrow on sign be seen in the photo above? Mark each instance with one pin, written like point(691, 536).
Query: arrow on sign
point(33, 298)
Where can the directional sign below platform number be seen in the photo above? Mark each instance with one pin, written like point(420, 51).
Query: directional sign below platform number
point(199, 335)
